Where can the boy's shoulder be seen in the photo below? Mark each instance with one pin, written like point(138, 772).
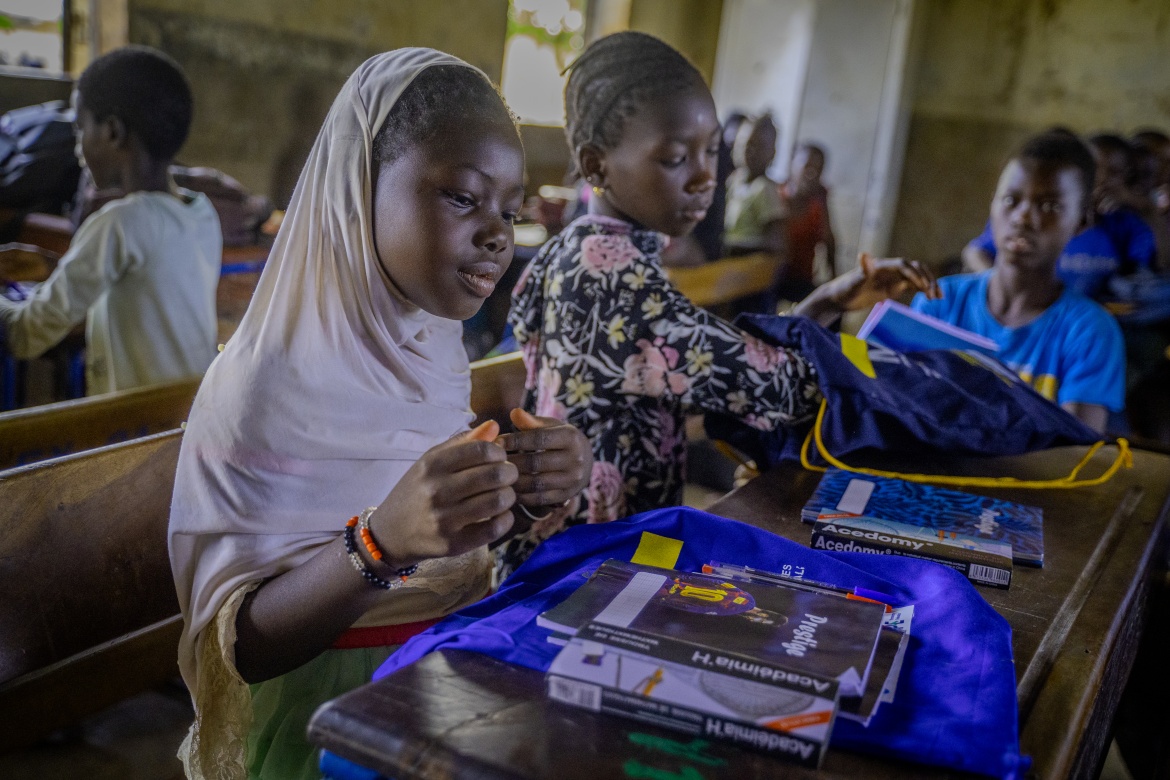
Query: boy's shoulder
point(1084, 315)
point(1122, 220)
point(963, 289)
point(145, 207)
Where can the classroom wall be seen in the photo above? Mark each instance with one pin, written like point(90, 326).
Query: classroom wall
point(762, 63)
point(991, 74)
point(831, 71)
point(691, 26)
point(266, 71)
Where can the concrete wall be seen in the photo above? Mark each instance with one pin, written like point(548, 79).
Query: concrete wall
point(992, 73)
point(852, 104)
point(691, 26)
point(266, 71)
point(763, 60)
point(832, 71)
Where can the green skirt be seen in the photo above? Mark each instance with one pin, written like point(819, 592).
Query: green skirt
point(282, 706)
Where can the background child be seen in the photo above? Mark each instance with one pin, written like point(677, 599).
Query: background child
point(347, 386)
point(1114, 239)
point(806, 200)
point(143, 270)
point(1062, 343)
point(609, 344)
point(754, 221)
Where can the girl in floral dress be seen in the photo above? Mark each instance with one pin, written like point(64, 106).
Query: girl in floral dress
point(610, 345)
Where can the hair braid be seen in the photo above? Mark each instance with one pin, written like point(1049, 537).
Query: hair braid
point(616, 76)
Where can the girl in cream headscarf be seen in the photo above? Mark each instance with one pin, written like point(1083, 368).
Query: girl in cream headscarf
point(346, 388)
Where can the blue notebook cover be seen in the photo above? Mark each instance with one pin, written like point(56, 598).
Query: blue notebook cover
point(937, 508)
point(900, 328)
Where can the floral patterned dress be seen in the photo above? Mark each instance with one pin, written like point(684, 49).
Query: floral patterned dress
point(613, 348)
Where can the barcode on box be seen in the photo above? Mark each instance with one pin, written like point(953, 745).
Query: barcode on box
point(988, 574)
point(580, 694)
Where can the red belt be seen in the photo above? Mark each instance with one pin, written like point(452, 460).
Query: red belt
point(381, 636)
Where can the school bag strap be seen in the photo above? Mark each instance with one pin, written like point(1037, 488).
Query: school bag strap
point(1124, 458)
point(913, 405)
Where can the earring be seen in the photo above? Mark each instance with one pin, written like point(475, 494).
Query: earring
point(598, 191)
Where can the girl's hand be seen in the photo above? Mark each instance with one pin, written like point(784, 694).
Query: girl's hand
point(873, 281)
point(456, 497)
point(876, 279)
point(553, 458)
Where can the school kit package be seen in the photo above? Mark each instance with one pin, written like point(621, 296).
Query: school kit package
point(749, 663)
point(955, 699)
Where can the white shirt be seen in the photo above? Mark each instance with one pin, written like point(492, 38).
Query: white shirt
point(142, 273)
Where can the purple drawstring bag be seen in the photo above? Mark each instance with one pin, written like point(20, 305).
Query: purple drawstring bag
point(955, 704)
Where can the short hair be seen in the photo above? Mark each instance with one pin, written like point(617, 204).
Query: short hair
point(1151, 139)
point(438, 97)
point(613, 78)
point(1062, 149)
point(147, 91)
point(1108, 142)
point(813, 146)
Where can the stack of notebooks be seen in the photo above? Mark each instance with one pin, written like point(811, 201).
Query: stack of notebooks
point(979, 536)
point(734, 655)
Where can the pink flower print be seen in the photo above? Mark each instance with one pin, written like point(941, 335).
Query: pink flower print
point(530, 354)
point(759, 422)
point(671, 435)
point(548, 385)
point(648, 371)
point(602, 255)
point(760, 356)
point(606, 493)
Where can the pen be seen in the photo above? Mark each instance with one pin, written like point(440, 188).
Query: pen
point(748, 573)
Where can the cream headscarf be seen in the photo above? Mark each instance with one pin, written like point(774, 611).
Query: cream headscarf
point(332, 387)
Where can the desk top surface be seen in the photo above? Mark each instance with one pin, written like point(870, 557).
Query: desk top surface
point(464, 715)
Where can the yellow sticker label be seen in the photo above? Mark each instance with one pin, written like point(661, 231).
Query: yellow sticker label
point(655, 550)
point(858, 353)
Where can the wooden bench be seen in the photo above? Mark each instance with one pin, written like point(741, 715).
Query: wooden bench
point(50, 431)
point(725, 281)
point(89, 614)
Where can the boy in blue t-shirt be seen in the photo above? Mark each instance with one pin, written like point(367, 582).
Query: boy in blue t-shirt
point(1117, 241)
point(1059, 341)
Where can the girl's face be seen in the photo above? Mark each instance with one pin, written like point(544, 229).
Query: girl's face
point(443, 215)
point(661, 175)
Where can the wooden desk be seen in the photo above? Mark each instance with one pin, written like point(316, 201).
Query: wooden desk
point(727, 280)
point(1075, 625)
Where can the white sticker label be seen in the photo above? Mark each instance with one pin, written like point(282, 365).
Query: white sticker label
point(627, 604)
point(855, 497)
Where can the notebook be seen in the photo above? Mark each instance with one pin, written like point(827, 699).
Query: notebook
point(898, 327)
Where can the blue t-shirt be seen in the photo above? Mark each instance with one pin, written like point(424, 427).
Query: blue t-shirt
point(1120, 241)
point(1072, 352)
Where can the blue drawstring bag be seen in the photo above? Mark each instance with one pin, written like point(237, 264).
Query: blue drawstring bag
point(955, 704)
point(916, 404)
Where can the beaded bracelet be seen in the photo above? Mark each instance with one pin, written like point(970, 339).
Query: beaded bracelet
point(362, 523)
